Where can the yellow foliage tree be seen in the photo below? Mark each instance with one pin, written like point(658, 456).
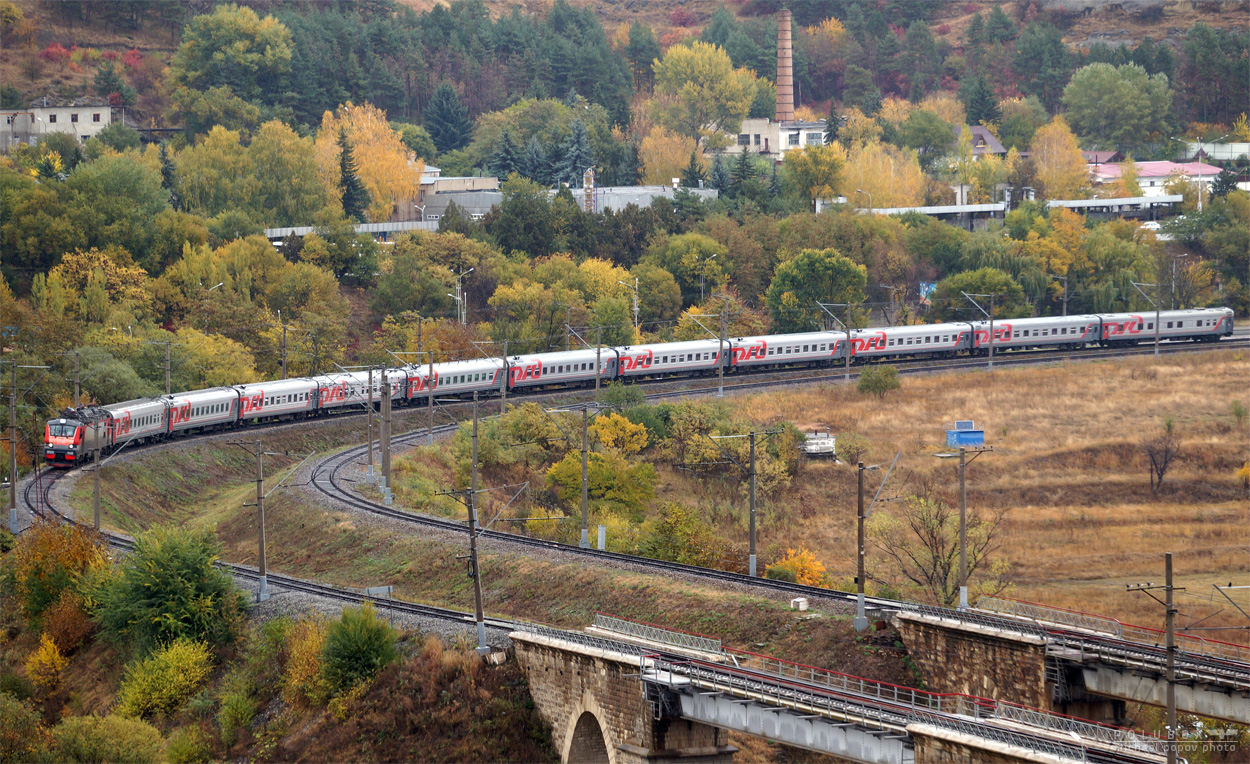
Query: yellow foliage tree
point(45, 664)
point(389, 171)
point(800, 565)
point(619, 434)
point(303, 683)
point(1061, 169)
point(816, 170)
point(892, 175)
point(123, 281)
point(1241, 128)
point(1126, 185)
point(219, 359)
point(946, 105)
point(664, 154)
point(895, 110)
point(859, 128)
point(600, 278)
point(829, 31)
point(699, 93)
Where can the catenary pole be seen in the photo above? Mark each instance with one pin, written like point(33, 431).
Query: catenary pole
point(369, 428)
point(861, 620)
point(751, 561)
point(473, 532)
point(598, 364)
point(503, 383)
point(585, 542)
point(429, 402)
point(95, 479)
point(1170, 626)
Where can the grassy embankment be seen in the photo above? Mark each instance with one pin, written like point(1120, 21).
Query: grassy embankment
point(208, 483)
point(1068, 468)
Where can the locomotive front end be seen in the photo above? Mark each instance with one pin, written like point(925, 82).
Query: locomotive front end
point(63, 442)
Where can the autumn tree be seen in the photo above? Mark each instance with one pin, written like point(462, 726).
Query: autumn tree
point(700, 93)
point(891, 175)
point(811, 276)
point(387, 169)
point(949, 304)
point(689, 256)
point(1161, 451)
point(233, 47)
point(617, 433)
point(1061, 168)
point(921, 545)
point(815, 172)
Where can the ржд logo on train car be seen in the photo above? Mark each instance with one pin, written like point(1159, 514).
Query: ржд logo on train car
point(333, 393)
point(181, 412)
point(1132, 326)
point(875, 342)
point(254, 402)
point(758, 351)
point(640, 360)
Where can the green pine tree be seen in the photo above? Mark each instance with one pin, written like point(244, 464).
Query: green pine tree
point(355, 197)
point(976, 30)
point(447, 121)
point(979, 101)
point(506, 158)
point(576, 155)
point(740, 173)
point(693, 176)
point(169, 177)
point(832, 125)
point(720, 175)
point(534, 164)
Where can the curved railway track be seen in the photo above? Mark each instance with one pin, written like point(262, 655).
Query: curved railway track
point(328, 479)
point(37, 499)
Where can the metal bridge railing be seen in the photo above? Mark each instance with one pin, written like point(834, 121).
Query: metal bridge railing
point(1035, 612)
point(581, 638)
point(1139, 634)
point(866, 712)
point(658, 634)
point(1114, 737)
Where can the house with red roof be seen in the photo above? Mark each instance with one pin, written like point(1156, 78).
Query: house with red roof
point(1152, 177)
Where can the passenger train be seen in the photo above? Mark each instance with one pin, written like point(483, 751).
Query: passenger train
point(74, 436)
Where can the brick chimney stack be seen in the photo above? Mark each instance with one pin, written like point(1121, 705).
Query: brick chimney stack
point(785, 68)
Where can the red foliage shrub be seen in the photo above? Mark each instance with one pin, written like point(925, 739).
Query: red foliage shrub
point(55, 53)
point(681, 17)
point(944, 29)
point(66, 622)
point(132, 59)
point(109, 55)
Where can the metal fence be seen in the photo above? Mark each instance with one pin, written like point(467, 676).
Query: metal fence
point(1018, 609)
point(1110, 626)
point(658, 634)
point(865, 712)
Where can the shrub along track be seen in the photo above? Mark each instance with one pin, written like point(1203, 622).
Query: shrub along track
point(328, 479)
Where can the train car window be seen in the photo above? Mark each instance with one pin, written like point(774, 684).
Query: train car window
point(890, 343)
point(1169, 324)
point(1150, 325)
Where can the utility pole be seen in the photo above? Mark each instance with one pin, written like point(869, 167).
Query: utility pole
point(964, 461)
point(585, 542)
point(720, 353)
point(1155, 301)
point(846, 325)
point(369, 428)
point(255, 448)
point(752, 558)
point(1169, 604)
point(473, 532)
point(598, 364)
point(1065, 292)
point(859, 556)
point(168, 346)
point(385, 439)
point(284, 351)
point(77, 380)
point(429, 402)
point(568, 338)
point(503, 384)
point(989, 315)
point(95, 475)
point(13, 450)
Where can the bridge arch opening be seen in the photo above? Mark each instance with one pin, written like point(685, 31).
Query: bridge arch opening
point(588, 745)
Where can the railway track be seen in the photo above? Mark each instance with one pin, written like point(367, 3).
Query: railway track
point(36, 496)
point(328, 478)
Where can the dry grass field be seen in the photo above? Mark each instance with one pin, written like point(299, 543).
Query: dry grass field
point(1068, 468)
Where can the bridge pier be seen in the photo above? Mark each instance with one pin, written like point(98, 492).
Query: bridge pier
point(599, 711)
